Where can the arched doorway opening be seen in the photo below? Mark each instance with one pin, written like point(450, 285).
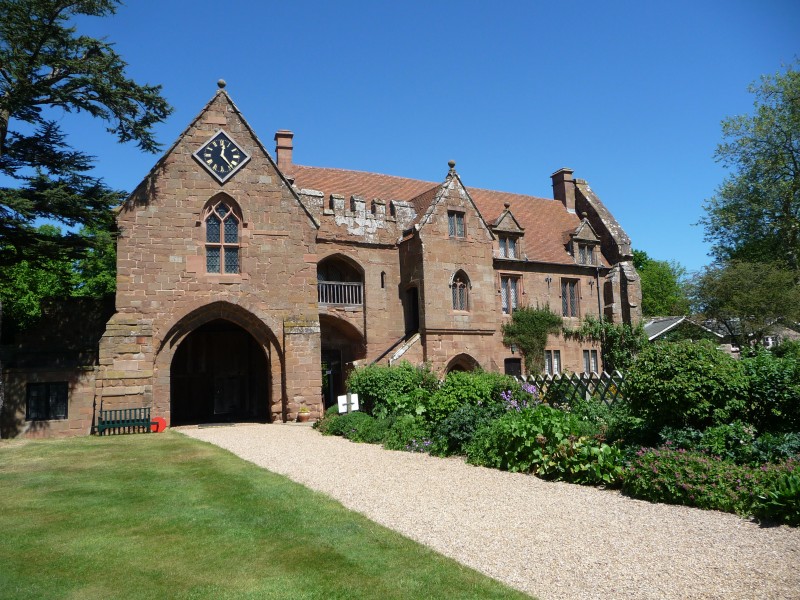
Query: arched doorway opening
point(342, 344)
point(462, 362)
point(219, 373)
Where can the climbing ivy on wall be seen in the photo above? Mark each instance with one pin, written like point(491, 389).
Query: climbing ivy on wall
point(528, 331)
point(619, 342)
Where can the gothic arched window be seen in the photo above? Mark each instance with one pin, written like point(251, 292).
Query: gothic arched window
point(222, 239)
point(460, 290)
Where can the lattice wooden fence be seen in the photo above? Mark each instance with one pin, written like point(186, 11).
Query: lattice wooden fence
point(565, 388)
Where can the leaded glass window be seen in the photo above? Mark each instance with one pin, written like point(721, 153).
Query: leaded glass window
point(460, 291)
point(231, 231)
point(222, 240)
point(509, 293)
point(455, 224)
point(585, 254)
point(212, 229)
point(508, 247)
point(231, 260)
point(552, 362)
point(569, 297)
point(212, 259)
point(590, 364)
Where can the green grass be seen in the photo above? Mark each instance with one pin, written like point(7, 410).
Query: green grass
point(164, 516)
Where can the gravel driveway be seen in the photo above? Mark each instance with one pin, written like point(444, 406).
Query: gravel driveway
point(552, 540)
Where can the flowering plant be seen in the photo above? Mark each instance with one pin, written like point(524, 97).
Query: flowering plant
point(526, 397)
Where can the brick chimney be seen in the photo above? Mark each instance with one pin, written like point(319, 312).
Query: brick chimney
point(283, 149)
point(564, 188)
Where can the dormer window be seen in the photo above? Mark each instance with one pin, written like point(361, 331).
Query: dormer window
point(508, 247)
point(585, 255)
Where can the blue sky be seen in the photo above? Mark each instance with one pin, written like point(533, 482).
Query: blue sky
point(628, 94)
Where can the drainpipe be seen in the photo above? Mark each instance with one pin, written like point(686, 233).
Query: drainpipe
point(597, 285)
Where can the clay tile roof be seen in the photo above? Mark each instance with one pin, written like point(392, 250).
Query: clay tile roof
point(349, 183)
point(423, 201)
point(546, 222)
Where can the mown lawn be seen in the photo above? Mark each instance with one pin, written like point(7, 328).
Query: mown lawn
point(164, 516)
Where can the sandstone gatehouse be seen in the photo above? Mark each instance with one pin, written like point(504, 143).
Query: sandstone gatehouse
point(248, 285)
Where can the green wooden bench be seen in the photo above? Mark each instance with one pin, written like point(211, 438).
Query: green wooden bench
point(124, 420)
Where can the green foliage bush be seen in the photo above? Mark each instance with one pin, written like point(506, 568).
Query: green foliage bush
point(407, 432)
point(455, 432)
point(781, 502)
point(735, 442)
point(477, 388)
point(615, 423)
point(677, 476)
point(775, 447)
point(356, 426)
point(685, 384)
point(774, 391)
point(386, 390)
point(787, 349)
point(329, 423)
point(543, 441)
point(361, 427)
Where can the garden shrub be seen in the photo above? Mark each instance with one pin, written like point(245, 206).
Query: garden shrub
point(775, 447)
point(774, 391)
point(329, 423)
point(453, 433)
point(469, 388)
point(736, 442)
point(685, 384)
point(356, 426)
point(781, 502)
point(386, 390)
point(686, 438)
point(361, 427)
point(787, 348)
point(407, 432)
point(733, 442)
point(614, 422)
point(678, 476)
point(543, 441)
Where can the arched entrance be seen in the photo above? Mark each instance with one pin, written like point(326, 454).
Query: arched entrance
point(462, 362)
point(342, 344)
point(219, 373)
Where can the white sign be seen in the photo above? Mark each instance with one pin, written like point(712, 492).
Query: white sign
point(343, 403)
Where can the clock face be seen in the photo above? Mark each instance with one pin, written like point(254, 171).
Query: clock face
point(221, 156)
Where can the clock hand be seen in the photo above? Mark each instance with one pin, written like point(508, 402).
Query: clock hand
point(222, 153)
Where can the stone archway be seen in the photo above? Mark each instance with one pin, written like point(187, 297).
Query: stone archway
point(342, 344)
point(219, 372)
point(462, 362)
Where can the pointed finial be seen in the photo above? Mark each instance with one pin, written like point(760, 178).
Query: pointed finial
point(221, 83)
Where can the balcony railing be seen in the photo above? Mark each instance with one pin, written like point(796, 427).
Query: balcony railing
point(340, 293)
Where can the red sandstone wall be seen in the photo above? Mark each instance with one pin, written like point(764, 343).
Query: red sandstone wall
point(161, 277)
